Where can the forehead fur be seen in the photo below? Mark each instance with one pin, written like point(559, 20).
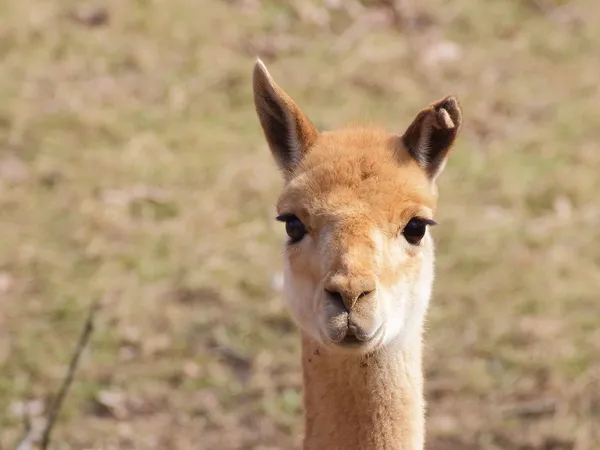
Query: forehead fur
point(361, 174)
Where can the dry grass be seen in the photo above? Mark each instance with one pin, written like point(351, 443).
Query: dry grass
point(133, 171)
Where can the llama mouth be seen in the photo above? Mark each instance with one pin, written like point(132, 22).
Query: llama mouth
point(351, 340)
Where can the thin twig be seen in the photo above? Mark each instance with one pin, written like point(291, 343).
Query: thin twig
point(58, 401)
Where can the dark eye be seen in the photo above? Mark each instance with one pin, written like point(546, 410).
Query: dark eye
point(415, 229)
point(294, 227)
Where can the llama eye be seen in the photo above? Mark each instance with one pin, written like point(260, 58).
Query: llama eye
point(415, 229)
point(294, 227)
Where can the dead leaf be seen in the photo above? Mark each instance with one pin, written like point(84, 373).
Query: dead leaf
point(111, 403)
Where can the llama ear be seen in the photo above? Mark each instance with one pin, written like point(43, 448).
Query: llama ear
point(288, 131)
point(430, 137)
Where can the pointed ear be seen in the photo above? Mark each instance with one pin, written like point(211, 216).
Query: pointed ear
point(430, 137)
point(289, 132)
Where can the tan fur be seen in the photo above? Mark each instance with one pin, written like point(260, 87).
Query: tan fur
point(355, 190)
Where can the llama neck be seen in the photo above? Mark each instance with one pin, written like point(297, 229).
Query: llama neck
point(359, 402)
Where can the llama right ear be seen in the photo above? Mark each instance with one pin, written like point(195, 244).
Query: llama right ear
point(288, 131)
point(430, 137)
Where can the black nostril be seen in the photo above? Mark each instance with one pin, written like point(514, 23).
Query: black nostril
point(337, 297)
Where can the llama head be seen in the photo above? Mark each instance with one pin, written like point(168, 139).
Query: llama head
point(357, 205)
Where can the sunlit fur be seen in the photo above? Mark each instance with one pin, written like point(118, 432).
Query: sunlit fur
point(356, 287)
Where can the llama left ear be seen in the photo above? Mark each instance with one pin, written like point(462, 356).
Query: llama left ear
point(288, 131)
point(430, 137)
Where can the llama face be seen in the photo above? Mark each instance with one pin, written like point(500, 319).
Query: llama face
point(359, 258)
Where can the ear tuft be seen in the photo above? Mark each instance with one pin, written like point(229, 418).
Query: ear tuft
point(444, 121)
point(289, 133)
point(430, 137)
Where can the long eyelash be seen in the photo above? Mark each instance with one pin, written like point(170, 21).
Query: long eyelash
point(426, 221)
point(284, 217)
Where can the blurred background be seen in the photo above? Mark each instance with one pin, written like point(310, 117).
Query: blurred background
point(134, 173)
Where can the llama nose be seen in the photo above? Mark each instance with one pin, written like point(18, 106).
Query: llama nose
point(347, 299)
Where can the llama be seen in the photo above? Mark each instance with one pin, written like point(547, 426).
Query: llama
point(357, 204)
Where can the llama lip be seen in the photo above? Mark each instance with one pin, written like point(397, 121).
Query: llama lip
point(352, 340)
